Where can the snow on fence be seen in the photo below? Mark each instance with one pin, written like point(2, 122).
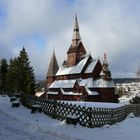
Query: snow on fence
point(89, 117)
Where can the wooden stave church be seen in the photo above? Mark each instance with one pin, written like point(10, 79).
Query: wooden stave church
point(80, 77)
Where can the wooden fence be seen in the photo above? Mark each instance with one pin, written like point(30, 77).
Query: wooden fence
point(89, 117)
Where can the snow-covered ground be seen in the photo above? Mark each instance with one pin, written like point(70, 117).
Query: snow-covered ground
point(129, 91)
point(95, 104)
point(20, 124)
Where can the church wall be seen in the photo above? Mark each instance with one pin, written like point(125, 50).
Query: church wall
point(71, 59)
point(107, 94)
point(64, 97)
point(49, 81)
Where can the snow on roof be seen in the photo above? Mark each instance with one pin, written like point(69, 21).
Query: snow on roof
point(91, 66)
point(63, 84)
point(52, 92)
point(103, 83)
point(72, 93)
point(91, 92)
point(88, 82)
point(64, 70)
point(69, 93)
point(38, 94)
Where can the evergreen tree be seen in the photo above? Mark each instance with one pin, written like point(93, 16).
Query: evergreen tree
point(3, 75)
point(26, 76)
point(18, 76)
point(13, 76)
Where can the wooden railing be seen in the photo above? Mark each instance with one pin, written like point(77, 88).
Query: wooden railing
point(89, 117)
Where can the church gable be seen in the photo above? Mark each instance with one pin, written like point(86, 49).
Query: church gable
point(66, 70)
point(78, 48)
point(81, 48)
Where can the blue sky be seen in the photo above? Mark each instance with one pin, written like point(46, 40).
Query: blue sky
point(106, 26)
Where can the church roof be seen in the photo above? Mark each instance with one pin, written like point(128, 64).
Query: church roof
point(91, 92)
point(53, 66)
point(66, 70)
point(76, 48)
point(64, 92)
point(87, 83)
point(63, 84)
point(91, 66)
point(105, 72)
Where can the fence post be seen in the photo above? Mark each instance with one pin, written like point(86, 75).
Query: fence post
point(90, 116)
point(112, 116)
point(54, 109)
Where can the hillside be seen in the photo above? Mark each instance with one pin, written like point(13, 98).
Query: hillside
point(19, 124)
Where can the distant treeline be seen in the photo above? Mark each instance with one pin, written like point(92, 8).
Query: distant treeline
point(40, 85)
point(126, 80)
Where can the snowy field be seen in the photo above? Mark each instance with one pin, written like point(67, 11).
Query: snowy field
point(20, 124)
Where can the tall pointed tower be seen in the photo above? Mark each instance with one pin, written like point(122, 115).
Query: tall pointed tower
point(105, 73)
point(52, 70)
point(76, 49)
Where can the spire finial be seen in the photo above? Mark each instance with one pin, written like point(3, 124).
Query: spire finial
point(76, 35)
point(76, 26)
point(75, 15)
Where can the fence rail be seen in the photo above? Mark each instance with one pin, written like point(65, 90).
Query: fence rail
point(89, 117)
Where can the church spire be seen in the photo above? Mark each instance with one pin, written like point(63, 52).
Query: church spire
point(105, 60)
point(53, 66)
point(76, 35)
point(105, 73)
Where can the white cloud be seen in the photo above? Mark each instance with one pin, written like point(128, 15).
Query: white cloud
point(105, 26)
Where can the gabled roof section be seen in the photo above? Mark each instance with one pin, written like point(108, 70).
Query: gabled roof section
point(63, 84)
point(65, 70)
point(53, 66)
point(91, 66)
point(95, 93)
point(76, 48)
point(86, 82)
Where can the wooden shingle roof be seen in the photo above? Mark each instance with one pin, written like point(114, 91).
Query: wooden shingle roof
point(53, 66)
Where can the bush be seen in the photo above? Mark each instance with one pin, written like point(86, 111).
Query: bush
point(135, 100)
